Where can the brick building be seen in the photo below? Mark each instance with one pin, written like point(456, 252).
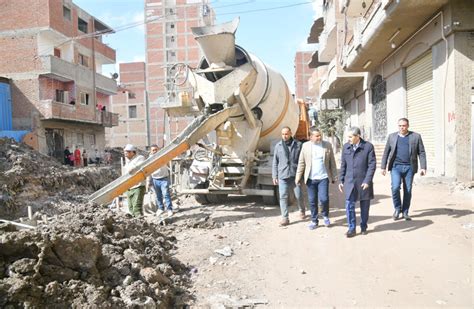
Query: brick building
point(131, 104)
point(52, 58)
point(169, 41)
point(302, 74)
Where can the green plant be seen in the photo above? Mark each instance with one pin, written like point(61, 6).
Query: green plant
point(331, 122)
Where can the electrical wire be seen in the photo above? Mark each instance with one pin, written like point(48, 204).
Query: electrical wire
point(267, 9)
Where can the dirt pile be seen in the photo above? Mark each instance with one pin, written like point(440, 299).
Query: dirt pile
point(90, 257)
point(28, 178)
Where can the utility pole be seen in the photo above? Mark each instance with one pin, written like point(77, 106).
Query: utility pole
point(94, 95)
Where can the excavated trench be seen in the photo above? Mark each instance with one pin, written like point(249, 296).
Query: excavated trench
point(79, 254)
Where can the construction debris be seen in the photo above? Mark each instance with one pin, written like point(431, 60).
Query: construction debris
point(90, 257)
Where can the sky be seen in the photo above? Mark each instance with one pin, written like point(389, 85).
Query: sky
point(273, 34)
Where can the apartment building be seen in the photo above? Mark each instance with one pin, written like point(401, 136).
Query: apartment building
point(130, 103)
point(169, 41)
point(302, 74)
point(52, 57)
point(390, 59)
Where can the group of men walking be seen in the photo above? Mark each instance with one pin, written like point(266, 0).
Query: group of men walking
point(313, 164)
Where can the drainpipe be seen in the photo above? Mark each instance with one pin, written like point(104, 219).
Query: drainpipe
point(443, 126)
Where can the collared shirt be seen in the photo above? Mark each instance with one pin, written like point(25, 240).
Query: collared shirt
point(160, 173)
point(318, 170)
point(355, 146)
point(130, 165)
point(401, 135)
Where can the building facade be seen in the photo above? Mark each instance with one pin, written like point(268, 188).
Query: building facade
point(130, 103)
point(52, 57)
point(169, 41)
point(410, 59)
point(302, 74)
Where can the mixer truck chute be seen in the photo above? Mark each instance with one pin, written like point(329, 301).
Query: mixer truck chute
point(241, 105)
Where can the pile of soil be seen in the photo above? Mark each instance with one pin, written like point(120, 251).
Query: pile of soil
point(28, 178)
point(90, 257)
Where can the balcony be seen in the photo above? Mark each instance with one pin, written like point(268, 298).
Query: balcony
point(52, 110)
point(338, 82)
point(65, 71)
point(387, 23)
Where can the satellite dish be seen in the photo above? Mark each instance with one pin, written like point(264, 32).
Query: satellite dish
point(114, 75)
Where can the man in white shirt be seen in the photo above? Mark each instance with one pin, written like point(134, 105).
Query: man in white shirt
point(317, 167)
point(161, 184)
point(136, 193)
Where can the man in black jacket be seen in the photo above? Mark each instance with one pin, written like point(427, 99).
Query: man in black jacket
point(400, 157)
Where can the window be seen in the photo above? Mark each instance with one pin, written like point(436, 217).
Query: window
point(132, 111)
point(57, 52)
point(80, 139)
point(82, 25)
point(60, 96)
point(83, 60)
point(91, 138)
point(84, 98)
point(66, 13)
point(172, 39)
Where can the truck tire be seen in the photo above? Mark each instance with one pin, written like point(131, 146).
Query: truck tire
point(270, 200)
point(201, 199)
point(216, 198)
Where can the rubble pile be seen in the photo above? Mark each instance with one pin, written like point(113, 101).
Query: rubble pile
point(29, 178)
point(90, 257)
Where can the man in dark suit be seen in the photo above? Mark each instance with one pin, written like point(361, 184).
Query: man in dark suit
point(400, 157)
point(358, 166)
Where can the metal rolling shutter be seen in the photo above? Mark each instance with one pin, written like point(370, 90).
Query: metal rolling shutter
point(420, 106)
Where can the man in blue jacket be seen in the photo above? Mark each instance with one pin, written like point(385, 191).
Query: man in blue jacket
point(285, 163)
point(400, 157)
point(358, 166)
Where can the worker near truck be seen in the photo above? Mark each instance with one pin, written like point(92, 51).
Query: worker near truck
point(316, 168)
point(285, 163)
point(136, 193)
point(160, 183)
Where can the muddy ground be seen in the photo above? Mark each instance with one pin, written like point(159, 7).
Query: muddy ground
point(224, 255)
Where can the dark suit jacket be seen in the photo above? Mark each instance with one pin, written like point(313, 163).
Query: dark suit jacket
point(415, 144)
point(358, 167)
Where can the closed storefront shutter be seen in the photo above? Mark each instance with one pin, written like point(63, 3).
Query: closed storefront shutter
point(420, 106)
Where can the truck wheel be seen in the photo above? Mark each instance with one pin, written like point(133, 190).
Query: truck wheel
point(217, 198)
point(201, 199)
point(270, 200)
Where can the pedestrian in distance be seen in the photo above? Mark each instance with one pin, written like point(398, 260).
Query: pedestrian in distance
point(358, 166)
point(136, 193)
point(77, 157)
point(67, 155)
point(316, 168)
point(285, 163)
point(400, 157)
point(84, 157)
point(160, 183)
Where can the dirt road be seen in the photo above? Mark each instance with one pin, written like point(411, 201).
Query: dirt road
point(424, 262)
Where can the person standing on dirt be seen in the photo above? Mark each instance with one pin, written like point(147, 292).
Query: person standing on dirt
point(84, 157)
point(160, 183)
point(285, 162)
point(77, 157)
point(317, 167)
point(400, 157)
point(358, 166)
point(136, 193)
point(67, 155)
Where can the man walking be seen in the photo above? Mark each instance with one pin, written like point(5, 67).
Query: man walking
point(317, 166)
point(136, 193)
point(285, 162)
point(358, 166)
point(400, 157)
point(161, 184)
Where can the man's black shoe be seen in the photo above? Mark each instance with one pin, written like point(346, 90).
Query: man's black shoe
point(406, 217)
point(364, 232)
point(350, 234)
point(396, 214)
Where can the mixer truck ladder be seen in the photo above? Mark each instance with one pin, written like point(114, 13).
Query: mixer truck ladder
point(196, 130)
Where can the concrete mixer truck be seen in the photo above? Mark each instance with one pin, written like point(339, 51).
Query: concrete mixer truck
point(240, 106)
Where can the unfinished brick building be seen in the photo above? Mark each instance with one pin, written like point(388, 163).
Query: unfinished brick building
point(52, 57)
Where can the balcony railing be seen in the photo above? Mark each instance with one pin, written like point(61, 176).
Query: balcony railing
point(53, 110)
point(81, 75)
